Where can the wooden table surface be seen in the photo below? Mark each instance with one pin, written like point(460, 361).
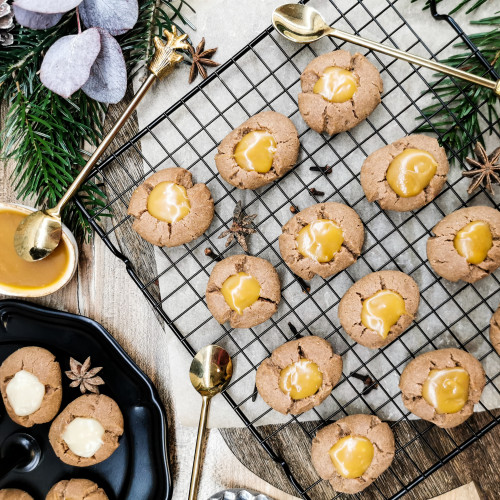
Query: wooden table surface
point(103, 291)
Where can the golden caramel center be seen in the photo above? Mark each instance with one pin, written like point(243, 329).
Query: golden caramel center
point(255, 152)
point(301, 379)
point(447, 390)
point(320, 240)
point(240, 291)
point(473, 241)
point(352, 455)
point(410, 172)
point(382, 311)
point(15, 272)
point(168, 202)
point(336, 84)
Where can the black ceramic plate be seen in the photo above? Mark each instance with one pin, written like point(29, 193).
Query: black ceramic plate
point(138, 470)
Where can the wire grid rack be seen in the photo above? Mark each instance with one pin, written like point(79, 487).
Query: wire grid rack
point(265, 75)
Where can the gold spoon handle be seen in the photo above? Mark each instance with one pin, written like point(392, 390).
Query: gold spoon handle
point(202, 426)
point(80, 179)
point(420, 61)
point(164, 60)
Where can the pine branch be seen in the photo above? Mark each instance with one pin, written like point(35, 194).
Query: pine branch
point(461, 4)
point(44, 133)
point(459, 120)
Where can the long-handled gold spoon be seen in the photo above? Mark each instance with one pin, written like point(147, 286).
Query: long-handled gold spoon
point(39, 234)
point(210, 372)
point(303, 24)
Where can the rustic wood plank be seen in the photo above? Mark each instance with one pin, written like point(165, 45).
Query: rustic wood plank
point(466, 492)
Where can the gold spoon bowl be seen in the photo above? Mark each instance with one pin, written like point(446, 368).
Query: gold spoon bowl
point(210, 373)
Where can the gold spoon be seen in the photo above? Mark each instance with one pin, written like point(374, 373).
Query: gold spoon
point(210, 373)
point(303, 24)
point(39, 234)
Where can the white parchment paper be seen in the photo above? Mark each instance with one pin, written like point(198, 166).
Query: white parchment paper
point(230, 25)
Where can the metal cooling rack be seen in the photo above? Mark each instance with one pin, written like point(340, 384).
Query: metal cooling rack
point(265, 75)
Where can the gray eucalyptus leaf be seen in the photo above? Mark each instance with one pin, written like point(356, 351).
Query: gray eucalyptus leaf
point(35, 20)
point(117, 16)
point(108, 76)
point(47, 6)
point(66, 66)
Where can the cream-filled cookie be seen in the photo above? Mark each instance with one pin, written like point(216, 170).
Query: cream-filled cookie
point(87, 431)
point(339, 90)
point(352, 452)
point(379, 307)
point(405, 175)
point(14, 494)
point(76, 489)
point(443, 386)
point(169, 210)
point(323, 239)
point(30, 382)
point(243, 290)
point(299, 375)
point(259, 151)
point(466, 244)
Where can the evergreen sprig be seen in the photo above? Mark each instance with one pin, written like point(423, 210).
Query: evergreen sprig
point(460, 119)
point(44, 133)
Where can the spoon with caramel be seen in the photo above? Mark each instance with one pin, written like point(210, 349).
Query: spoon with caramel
point(39, 234)
point(303, 24)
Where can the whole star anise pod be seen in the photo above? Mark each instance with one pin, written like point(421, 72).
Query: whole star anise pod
point(201, 58)
point(83, 376)
point(485, 170)
point(241, 227)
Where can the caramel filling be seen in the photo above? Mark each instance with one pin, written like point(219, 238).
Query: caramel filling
point(240, 291)
point(410, 172)
point(255, 152)
point(301, 379)
point(382, 311)
point(447, 390)
point(352, 455)
point(15, 272)
point(336, 84)
point(320, 240)
point(473, 241)
point(168, 202)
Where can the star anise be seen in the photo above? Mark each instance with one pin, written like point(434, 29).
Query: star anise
point(485, 170)
point(201, 58)
point(83, 376)
point(241, 227)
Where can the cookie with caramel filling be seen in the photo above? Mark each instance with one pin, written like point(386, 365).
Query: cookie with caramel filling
point(339, 90)
point(379, 307)
point(442, 386)
point(259, 151)
point(185, 215)
point(243, 290)
point(299, 375)
point(495, 330)
point(351, 469)
point(406, 174)
point(466, 244)
point(323, 239)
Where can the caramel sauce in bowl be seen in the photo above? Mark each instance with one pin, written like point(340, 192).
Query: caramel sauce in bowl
point(19, 278)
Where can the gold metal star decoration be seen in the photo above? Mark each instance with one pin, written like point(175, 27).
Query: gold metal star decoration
point(166, 57)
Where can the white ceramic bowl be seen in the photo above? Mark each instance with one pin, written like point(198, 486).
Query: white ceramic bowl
point(70, 241)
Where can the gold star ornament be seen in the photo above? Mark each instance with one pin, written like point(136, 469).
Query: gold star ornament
point(166, 57)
